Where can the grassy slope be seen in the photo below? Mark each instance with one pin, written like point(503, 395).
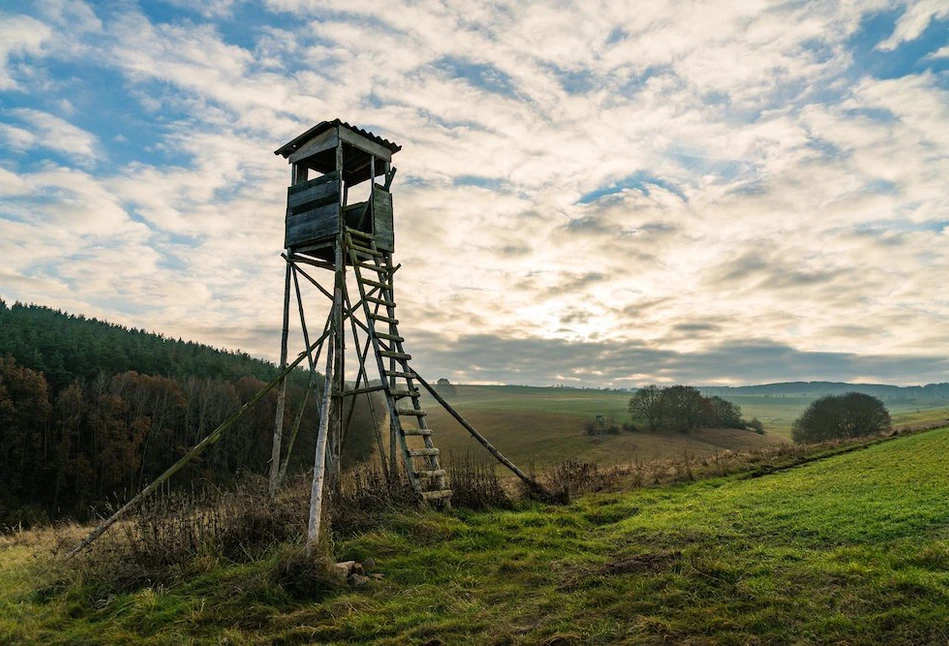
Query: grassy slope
point(850, 549)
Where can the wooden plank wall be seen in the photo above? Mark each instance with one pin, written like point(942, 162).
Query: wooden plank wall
point(382, 218)
point(313, 210)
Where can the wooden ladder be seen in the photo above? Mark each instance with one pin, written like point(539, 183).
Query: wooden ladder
point(419, 454)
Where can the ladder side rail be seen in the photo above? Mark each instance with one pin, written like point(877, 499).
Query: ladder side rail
point(394, 422)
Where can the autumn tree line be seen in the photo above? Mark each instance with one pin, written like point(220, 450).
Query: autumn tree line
point(82, 425)
point(684, 408)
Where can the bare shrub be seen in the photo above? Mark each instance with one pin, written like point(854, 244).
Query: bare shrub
point(475, 483)
point(238, 524)
point(304, 576)
point(174, 532)
point(572, 477)
point(600, 426)
point(365, 493)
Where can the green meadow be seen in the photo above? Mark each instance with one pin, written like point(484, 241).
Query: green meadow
point(850, 549)
point(545, 425)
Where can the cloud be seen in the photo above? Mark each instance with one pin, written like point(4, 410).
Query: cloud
point(490, 359)
point(44, 130)
point(19, 35)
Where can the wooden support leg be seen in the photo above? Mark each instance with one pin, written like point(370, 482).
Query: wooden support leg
point(319, 460)
point(282, 393)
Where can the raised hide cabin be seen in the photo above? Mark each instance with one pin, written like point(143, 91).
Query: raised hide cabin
point(327, 161)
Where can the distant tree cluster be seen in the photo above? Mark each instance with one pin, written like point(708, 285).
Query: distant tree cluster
point(600, 425)
point(841, 416)
point(684, 408)
point(68, 446)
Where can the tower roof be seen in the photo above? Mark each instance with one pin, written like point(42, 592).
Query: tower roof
point(295, 144)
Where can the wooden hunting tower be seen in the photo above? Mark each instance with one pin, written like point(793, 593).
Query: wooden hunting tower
point(325, 230)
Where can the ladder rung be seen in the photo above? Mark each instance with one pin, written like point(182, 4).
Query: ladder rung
point(385, 319)
point(373, 283)
point(389, 337)
point(357, 232)
point(411, 411)
point(438, 494)
point(365, 250)
point(417, 431)
point(423, 453)
point(398, 394)
point(402, 356)
point(430, 474)
point(397, 373)
point(371, 267)
point(373, 299)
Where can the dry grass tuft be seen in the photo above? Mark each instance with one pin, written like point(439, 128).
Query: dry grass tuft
point(474, 482)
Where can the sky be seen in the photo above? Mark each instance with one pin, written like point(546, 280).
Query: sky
point(589, 193)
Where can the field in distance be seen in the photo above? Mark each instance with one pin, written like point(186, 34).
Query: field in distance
point(545, 424)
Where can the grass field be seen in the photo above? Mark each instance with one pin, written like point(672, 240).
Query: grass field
point(545, 425)
point(849, 549)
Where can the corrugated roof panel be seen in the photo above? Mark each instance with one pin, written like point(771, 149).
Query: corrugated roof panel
point(287, 149)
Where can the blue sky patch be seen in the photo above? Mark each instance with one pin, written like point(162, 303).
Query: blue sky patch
point(493, 183)
point(480, 75)
point(911, 57)
point(639, 181)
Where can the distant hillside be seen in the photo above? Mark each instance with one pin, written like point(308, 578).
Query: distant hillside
point(67, 348)
point(930, 393)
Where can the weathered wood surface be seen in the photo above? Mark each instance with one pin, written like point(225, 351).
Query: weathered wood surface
point(382, 218)
point(310, 226)
point(323, 141)
point(380, 301)
point(364, 144)
point(319, 459)
point(313, 193)
point(408, 412)
point(417, 453)
point(282, 394)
